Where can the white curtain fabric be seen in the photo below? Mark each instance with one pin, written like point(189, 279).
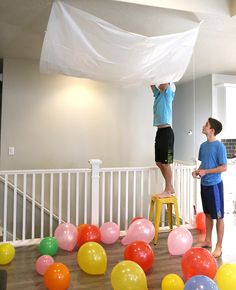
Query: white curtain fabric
point(81, 45)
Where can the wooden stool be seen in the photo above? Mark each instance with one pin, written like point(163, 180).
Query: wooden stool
point(159, 202)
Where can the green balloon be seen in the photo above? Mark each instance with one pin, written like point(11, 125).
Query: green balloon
point(48, 246)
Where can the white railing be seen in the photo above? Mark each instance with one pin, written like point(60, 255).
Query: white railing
point(34, 202)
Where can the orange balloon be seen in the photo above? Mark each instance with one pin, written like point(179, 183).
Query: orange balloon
point(88, 233)
point(201, 221)
point(57, 277)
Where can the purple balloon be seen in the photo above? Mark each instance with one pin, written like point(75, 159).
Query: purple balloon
point(200, 282)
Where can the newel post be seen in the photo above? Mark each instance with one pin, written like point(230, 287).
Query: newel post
point(95, 166)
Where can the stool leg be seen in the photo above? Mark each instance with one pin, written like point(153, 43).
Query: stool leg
point(151, 209)
point(170, 221)
point(157, 220)
point(176, 213)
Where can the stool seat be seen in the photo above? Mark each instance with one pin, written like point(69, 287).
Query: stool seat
point(169, 201)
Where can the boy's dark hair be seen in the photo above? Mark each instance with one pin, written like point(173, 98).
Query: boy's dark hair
point(216, 125)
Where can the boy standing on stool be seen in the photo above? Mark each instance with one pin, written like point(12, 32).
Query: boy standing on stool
point(164, 142)
point(212, 155)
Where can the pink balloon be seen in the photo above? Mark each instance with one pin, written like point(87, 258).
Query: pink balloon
point(180, 240)
point(110, 232)
point(42, 264)
point(139, 230)
point(67, 236)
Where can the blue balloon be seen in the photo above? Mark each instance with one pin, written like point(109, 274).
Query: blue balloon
point(200, 282)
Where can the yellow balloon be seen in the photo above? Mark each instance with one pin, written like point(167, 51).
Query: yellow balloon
point(226, 277)
point(172, 282)
point(7, 253)
point(128, 275)
point(92, 258)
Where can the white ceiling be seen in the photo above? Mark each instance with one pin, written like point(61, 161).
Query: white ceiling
point(23, 23)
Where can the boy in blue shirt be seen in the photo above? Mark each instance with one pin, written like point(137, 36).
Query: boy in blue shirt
point(164, 142)
point(212, 155)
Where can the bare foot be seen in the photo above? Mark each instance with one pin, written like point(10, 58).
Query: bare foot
point(164, 194)
point(217, 252)
point(204, 244)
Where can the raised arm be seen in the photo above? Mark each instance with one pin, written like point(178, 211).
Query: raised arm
point(153, 88)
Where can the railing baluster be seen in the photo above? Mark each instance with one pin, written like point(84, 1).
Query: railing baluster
point(68, 197)
point(111, 196)
point(51, 205)
point(77, 199)
point(126, 198)
point(24, 206)
point(134, 194)
point(60, 199)
point(103, 199)
point(33, 208)
point(14, 207)
point(119, 199)
point(5, 209)
point(42, 205)
point(85, 197)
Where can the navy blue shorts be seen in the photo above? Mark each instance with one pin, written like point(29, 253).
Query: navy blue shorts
point(164, 145)
point(213, 200)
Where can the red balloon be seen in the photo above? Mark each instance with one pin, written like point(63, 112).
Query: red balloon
point(88, 233)
point(198, 261)
point(201, 221)
point(141, 253)
point(57, 277)
point(136, 218)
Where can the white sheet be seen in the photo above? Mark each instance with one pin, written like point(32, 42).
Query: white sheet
point(79, 44)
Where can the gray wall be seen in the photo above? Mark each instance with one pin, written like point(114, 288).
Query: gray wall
point(62, 122)
point(192, 107)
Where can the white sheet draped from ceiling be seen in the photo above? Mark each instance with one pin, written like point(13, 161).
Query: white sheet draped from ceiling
point(81, 45)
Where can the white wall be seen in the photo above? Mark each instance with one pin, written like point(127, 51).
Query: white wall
point(62, 122)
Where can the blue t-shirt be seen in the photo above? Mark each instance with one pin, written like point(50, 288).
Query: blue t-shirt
point(162, 107)
point(212, 155)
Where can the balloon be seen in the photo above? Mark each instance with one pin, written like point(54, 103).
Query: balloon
point(88, 233)
point(135, 219)
point(180, 240)
point(226, 276)
point(128, 275)
point(48, 246)
point(201, 221)
point(198, 261)
point(172, 282)
point(139, 230)
point(92, 258)
point(110, 232)
point(7, 253)
point(42, 264)
point(66, 235)
point(57, 277)
point(140, 253)
point(201, 283)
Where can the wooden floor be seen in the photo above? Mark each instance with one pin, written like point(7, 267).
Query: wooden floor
point(21, 272)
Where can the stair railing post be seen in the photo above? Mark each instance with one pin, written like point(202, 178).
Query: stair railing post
point(95, 166)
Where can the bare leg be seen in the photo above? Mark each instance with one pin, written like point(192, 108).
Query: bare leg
point(209, 226)
point(220, 232)
point(167, 174)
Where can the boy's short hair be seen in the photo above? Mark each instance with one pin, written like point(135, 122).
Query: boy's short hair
point(216, 125)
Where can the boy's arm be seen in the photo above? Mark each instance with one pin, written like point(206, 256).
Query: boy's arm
point(218, 169)
point(153, 87)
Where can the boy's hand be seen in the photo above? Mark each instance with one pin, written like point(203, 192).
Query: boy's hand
point(202, 172)
point(196, 174)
